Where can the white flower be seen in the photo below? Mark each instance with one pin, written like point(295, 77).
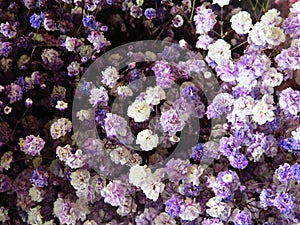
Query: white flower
point(241, 22)
point(154, 95)
point(80, 179)
point(242, 106)
point(271, 18)
point(263, 111)
point(98, 96)
point(34, 216)
point(3, 214)
point(221, 2)
point(139, 111)
point(137, 174)
point(164, 218)
point(204, 41)
point(124, 91)
point(61, 105)
point(36, 194)
point(147, 140)
point(110, 76)
point(272, 78)
point(189, 211)
point(295, 7)
point(274, 36)
point(83, 114)
point(218, 209)
point(120, 155)
point(219, 51)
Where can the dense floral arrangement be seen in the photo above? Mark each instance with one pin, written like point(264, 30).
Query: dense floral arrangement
point(242, 170)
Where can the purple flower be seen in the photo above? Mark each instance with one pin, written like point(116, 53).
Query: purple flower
point(150, 13)
point(173, 206)
point(205, 19)
point(211, 222)
point(266, 198)
point(5, 48)
point(5, 183)
point(37, 20)
point(191, 190)
point(197, 152)
point(171, 122)
point(32, 145)
point(289, 101)
point(39, 178)
point(242, 218)
point(289, 144)
point(89, 21)
point(163, 74)
point(295, 171)
point(283, 173)
point(238, 160)
point(284, 202)
point(14, 92)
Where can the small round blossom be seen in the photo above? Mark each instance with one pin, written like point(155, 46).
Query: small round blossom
point(271, 17)
point(39, 178)
point(36, 20)
point(63, 153)
point(124, 91)
point(110, 76)
point(83, 114)
point(14, 92)
point(3, 215)
point(76, 160)
point(61, 105)
point(5, 48)
point(177, 21)
point(139, 111)
point(173, 206)
point(36, 194)
point(147, 140)
point(221, 3)
point(284, 202)
point(116, 127)
point(74, 69)
point(6, 160)
point(171, 122)
point(150, 13)
point(154, 95)
point(189, 210)
point(283, 173)
point(51, 59)
point(241, 22)
point(205, 19)
point(242, 218)
point(32, 145)
point(89, 21)
point(218, 209)
point(204, 41)
point(120, 155)
point(263, 111)
point(60, 128)
point(8, 30)
point(289, 101)
point(114, 193)
point(164, 218)
point(98, 96)
point(80, 179)
point(72, 44)
point(219, 51)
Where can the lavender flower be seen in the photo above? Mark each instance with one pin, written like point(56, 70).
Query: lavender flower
point(204, 20)
point(173, 206)
point(39, 178)
point(31, 145)
point(283, 173)
point(242, 218)
point(284, 202)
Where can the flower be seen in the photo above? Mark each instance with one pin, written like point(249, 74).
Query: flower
point(114, 193)
point(139, 111)
point(150, 13)
point(171, 122)
point(241, 22)
point(80, 179)
point(283, 173)
point(177, 21)
point(173, 206)
point(289, 101)
point(219, 51)
point(31, 145)
point(147, 140)
point(189, 210)
point(242, 218)
point(110, 76)
point(8, 30)
point(284, 202)
point(36, 20)
point(60, 128)
point(221, 3)
point(99, 97)
point(204, 20)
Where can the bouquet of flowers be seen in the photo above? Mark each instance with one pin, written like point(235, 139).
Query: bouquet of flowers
point(150, 112)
